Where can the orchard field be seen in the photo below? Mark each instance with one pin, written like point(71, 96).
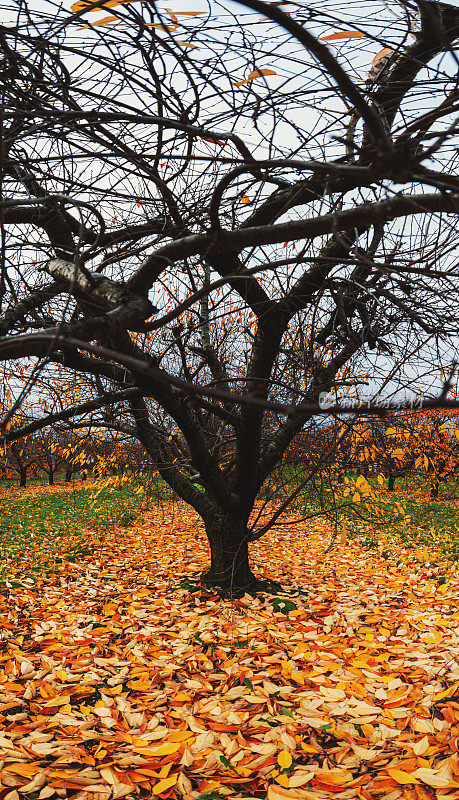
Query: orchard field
point(229, 345)
point(122, 676)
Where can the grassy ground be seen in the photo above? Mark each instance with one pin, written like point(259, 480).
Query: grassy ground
point(408, 515)
point(42, 527)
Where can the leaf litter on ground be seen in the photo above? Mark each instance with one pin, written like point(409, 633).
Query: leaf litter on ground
point(118, 678)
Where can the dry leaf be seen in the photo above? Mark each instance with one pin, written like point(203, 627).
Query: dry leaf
point(342, 35)
point(401, 777)
point(386, 51)
point(257, 73)
point(164, 785)
point(284, 759)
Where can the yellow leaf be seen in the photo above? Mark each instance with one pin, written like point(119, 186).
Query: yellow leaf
point(257, 73)
point(284, 759)
point(164, 771)
point(164, 750)
point(398, 453)
point(282, 780)
point(401, 777)
point(164, 785)
point(245, 200)
point(342, 35)
point(386, 51)
point(180, 736)
point(356, 498)
point(142, 593)
point(447, 693)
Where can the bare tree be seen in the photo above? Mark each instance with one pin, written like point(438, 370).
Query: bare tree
point(211, 218)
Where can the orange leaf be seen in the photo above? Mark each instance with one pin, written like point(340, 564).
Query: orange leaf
point(342, 35)
point(386, 51)
point(257, 73)
point(187, 44)
point(26, 770)
point(175, 14)
point(160, 26)
point(103, 21)
point(337, 778)
point(83, 4)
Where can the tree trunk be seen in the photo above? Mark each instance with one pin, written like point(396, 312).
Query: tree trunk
point(434, 490)
point(23, 480)
point(51, 478)
point(229, 554)
point(391, 482)
point(68, 474)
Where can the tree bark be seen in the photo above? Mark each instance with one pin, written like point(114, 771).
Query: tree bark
point(23, 479)
point(51, 478)
point(68, 474)
point(229, 553)
point(390, 485)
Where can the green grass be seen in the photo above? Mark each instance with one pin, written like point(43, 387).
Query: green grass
point(38, 533)
point(433, 523)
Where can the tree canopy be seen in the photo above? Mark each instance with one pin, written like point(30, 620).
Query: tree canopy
point(214, 216)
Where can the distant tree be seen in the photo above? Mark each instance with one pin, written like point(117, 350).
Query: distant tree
point(212, 219)
point(22, 457)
